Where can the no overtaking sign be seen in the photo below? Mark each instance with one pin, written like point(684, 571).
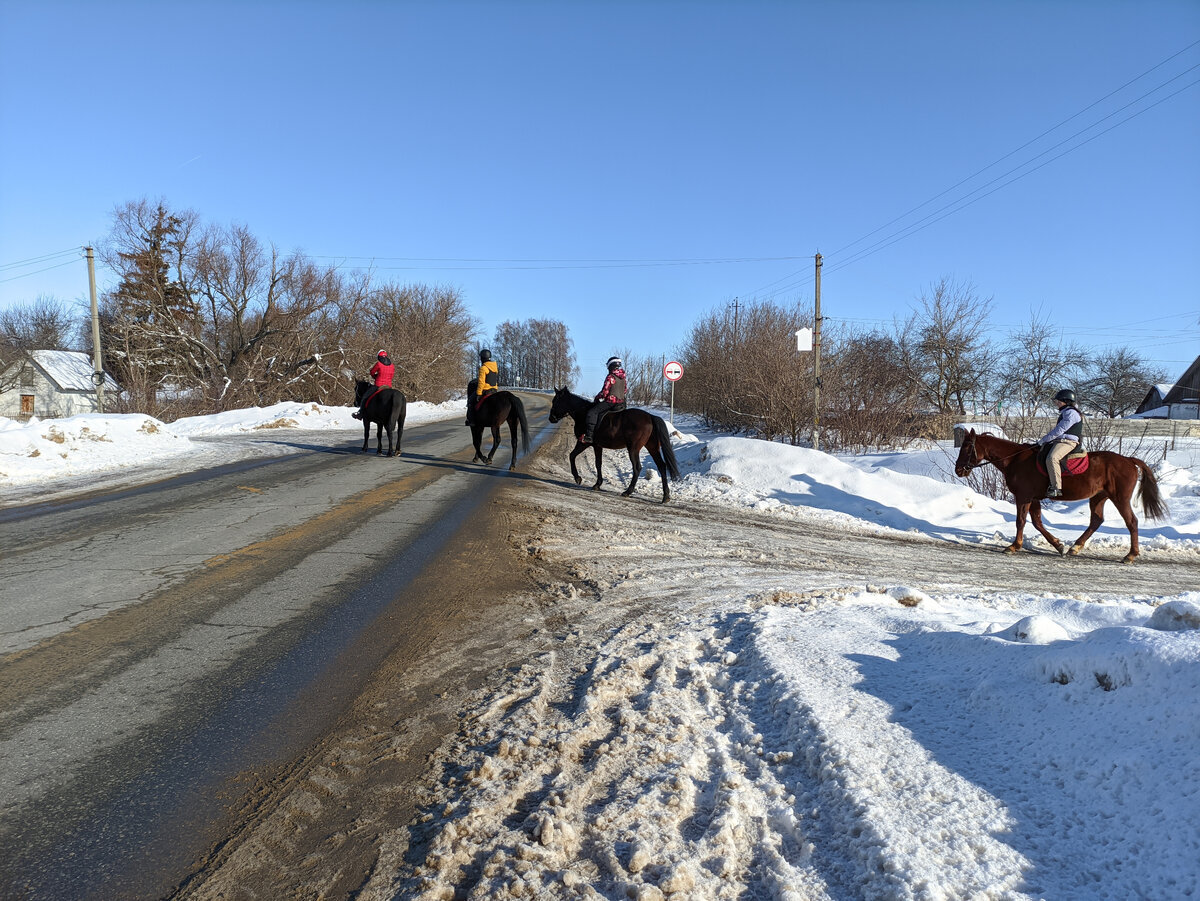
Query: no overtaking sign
point(673, 371)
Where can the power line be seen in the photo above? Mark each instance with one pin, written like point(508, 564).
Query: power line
point(1029, 142)
point(33, 261)
point(36, 271)
point(958, 205)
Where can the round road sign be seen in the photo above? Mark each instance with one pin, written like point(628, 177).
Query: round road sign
point(673, 371)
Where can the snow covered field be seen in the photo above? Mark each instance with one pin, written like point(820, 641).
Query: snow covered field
point(747, 729)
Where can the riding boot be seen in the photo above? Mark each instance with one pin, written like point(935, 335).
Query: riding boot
point(357, 414)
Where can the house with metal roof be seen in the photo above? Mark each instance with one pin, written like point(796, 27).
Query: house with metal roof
point(1178, 401)
point(51, 384)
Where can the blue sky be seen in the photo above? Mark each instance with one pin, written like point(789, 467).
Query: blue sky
point(629, 167)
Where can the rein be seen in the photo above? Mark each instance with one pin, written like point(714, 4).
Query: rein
point(986, 460)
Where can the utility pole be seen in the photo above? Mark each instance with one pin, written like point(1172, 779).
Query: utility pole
point(97, 360)
point(817, 363)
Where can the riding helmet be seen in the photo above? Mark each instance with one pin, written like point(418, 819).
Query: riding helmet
point(614, 363)
point(382, 354)
point(485, 355)
point(1067, 396)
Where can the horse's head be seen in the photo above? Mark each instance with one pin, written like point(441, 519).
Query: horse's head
point(360, 391)
point(561, 405)
point(968, 456)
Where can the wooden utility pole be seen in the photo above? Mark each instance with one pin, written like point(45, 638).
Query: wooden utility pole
point(97, 360)
point(817, 363)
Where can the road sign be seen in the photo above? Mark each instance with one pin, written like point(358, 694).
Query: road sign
point(804, 339)
point(673, 371)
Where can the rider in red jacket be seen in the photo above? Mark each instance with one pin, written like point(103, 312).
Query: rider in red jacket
point(382, 372)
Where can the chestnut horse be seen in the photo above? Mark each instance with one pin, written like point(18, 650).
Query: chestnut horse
point(1109, 476)
point(631, 429)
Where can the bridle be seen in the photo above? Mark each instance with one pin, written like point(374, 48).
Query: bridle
point(975, 462)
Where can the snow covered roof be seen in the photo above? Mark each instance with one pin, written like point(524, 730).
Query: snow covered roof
point(70, 370)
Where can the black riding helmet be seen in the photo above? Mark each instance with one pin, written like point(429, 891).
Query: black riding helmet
point(1067, 396)
point(485, 355)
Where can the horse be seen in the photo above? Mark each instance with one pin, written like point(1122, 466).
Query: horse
point(386, 407)
point(631, 429)
point(1109, 476)
point(492, 411)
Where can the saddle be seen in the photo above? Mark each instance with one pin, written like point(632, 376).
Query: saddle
point(1075, 463)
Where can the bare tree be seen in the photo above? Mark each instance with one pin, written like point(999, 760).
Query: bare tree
point(426, 331)
point(743, 372)
point(44, 324)
point(536, 353)
point(1035, 365)
point(870, 401)
point(1115, 382)
point(944, 346)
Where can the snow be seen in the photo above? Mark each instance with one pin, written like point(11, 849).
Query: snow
point(880, 741)
point(71, 370)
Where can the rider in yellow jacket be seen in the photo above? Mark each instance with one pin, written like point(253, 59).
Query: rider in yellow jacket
point(487, 382)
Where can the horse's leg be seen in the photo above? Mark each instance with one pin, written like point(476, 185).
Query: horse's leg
point(495, 443)
point(599, 456)
point(391, 433)
point(578, 449)
point(1096, 503)
point(635, 457)
point(1022, 513)
point(366, 434)
point(1125, 508)
point(656, 456)
point(476, 439)
point(379, 439)
point(1035, 515)
point(512, 433)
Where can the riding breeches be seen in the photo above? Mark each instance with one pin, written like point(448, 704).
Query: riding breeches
point(1058, 450)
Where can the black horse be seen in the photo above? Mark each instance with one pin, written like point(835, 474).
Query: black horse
point(386, 407)
point(492, 412)
point(631, 429)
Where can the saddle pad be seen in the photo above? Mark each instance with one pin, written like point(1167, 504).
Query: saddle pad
point(1073, 464)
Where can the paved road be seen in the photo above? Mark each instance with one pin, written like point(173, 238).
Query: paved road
point(164, 645)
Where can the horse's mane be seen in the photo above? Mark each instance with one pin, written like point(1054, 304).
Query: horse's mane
point(1003, 444)
point(571, 394)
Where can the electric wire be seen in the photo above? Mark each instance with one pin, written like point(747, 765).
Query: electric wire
point(33, 261)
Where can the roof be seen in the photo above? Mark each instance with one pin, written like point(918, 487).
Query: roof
point(70, 370)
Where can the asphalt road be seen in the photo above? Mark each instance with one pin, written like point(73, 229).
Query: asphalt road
point(164, 646)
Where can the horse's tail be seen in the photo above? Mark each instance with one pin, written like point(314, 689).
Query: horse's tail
point(1152, 503)
point(520, 408)
point(664, 443)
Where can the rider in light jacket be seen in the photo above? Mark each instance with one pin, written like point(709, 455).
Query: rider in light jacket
point(1063, 438)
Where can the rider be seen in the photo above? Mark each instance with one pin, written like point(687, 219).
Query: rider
point(1063, 438)
point(487, 382)
point(382, 372)
point(610, 399)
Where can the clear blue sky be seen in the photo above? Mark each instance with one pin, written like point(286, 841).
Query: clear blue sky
point(560, 159)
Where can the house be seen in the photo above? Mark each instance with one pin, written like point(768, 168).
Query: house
point(1178, 401)
point(51, 384)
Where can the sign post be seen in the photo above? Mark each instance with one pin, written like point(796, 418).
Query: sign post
point(673, 372)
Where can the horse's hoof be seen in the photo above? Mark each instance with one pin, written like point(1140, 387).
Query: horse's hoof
point(1073, 550)
point(1129, 558)
point(578, 480)
point(1011, 549)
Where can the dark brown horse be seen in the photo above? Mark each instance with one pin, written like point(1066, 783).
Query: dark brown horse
point(492, 412)
point(1109, 476)
point(386, 407)
point(631, 429)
